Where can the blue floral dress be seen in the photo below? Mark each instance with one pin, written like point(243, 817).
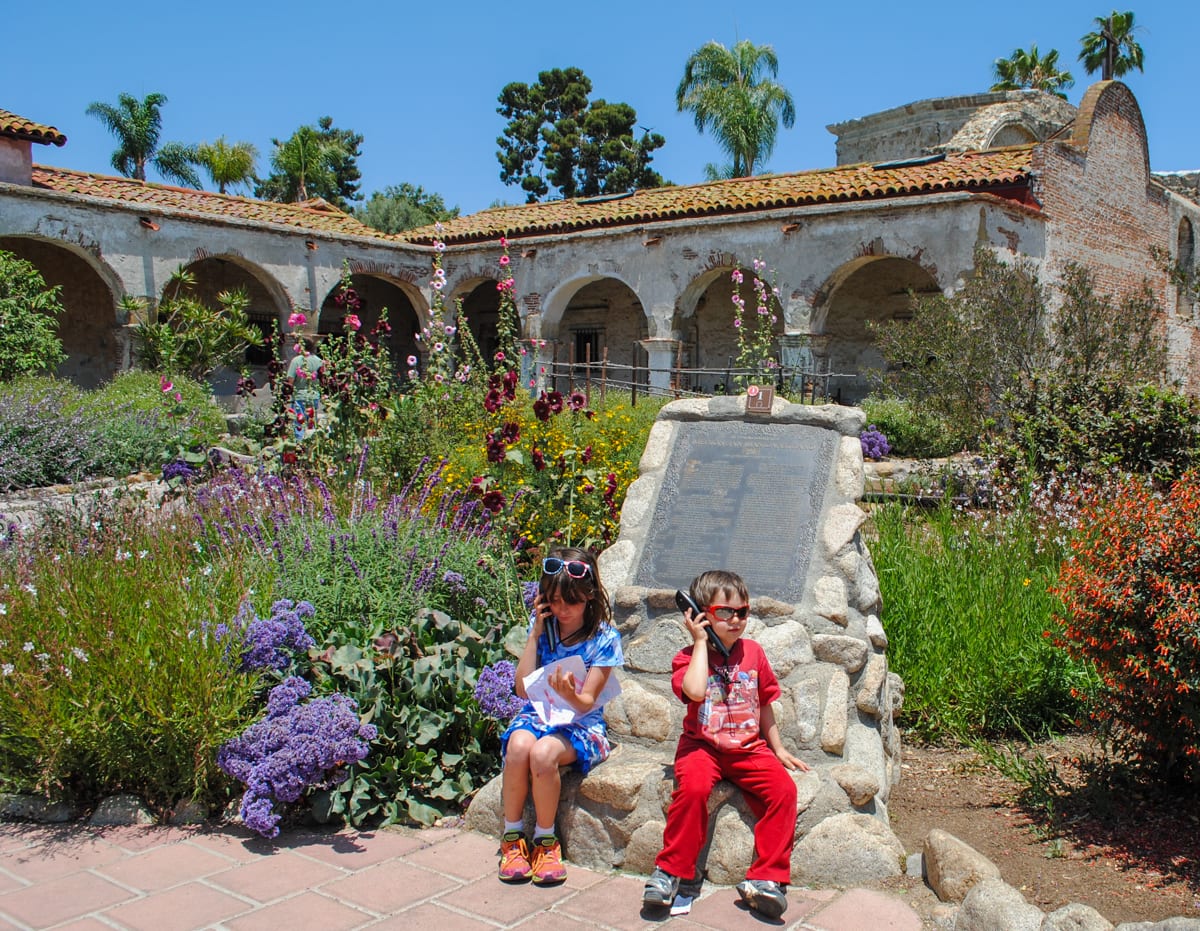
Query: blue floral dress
point(588, 734)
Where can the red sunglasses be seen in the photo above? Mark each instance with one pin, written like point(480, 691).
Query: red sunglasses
point(728, 612)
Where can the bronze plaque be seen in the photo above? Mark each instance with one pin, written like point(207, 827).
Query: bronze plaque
point(739, 496)
point(759, 399)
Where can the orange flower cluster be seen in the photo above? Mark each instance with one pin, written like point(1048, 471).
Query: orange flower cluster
point(1131, 606)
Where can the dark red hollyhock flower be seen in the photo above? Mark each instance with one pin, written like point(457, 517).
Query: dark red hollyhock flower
point(562, 463)
point(586, 456)
point(539, 461)
point(477, 485)
point(511, 432)
point(492, 401)
point(541, 408)
point(494, 501)
point(382, 328)
point(510, 384)
point(588, 488)
point(495, 448)
point(555, 400)
point(577, 401)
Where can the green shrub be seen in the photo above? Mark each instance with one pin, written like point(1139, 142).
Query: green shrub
point(967, 611)
point(1131, 606)
point(29, 341)
point(413, 597)
point(109, 678)
point(1089, 428)
point(42, 440)
point(912, 429)
point(140, 425)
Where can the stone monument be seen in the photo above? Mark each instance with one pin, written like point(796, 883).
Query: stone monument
point(770, 492)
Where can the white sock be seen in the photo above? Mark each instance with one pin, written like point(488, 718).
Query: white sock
point(540, 831)
point(518, 826)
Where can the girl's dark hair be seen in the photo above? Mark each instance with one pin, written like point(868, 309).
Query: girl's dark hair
point(588, 590)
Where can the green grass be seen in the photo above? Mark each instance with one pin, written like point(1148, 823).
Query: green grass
point(970, 622)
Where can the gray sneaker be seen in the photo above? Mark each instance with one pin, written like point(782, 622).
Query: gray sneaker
point(660, 889)
point(764, 896)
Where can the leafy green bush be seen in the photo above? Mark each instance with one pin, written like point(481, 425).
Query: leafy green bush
point(52, 433)
point(109, 677)
point(967, 610)
point(913, 430)
point(141, 426)
point(42, 440)
point(1131, 607)
point(29, 341)
point(1089, 428)
point(413, 597)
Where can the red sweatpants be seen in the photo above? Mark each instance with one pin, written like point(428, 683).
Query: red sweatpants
point(768, 789)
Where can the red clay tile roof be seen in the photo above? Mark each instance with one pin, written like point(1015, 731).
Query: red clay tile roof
point(314, 215)
point(17, 127)
point(998, 171)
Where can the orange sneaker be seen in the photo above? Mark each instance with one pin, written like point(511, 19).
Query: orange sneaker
point(548, 869)
point(514, 858)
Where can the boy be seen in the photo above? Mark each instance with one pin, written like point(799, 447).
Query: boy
point(729, 732)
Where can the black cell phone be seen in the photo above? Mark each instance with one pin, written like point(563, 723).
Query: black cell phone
point(686, 603)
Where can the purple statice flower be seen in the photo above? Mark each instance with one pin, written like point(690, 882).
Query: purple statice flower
point(299, 745)
point(874, 444)
point(529, 591)
point(494, 691)
point(455, 580)
point(268, 643)
point(178, 470)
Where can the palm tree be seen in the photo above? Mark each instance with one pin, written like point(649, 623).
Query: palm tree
point(137, 125)
point(302, 157)
point(1028, 69)
point(733, 94)
point(227, 165)
point(1111, 48)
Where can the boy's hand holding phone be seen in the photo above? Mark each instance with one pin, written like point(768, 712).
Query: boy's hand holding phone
point(696, 621)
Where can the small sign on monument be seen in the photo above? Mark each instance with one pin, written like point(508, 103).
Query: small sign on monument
point(759, 399)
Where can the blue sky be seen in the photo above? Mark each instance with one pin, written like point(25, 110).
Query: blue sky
point(420, 81)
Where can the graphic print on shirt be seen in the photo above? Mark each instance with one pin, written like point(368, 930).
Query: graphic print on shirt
point(729, 715)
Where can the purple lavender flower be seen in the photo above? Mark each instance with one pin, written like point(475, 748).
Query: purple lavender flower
point(299, 745)
point(494, 691)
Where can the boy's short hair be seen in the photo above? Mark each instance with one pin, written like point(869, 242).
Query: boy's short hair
point(706, 585)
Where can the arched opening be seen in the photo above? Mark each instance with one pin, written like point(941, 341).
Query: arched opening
point(708, 331)
point(1185, 251)
point(593, 326)
point(481, 310)
point(265, 309)
point(88, 327)
point(1011, 134)
point(374, 294)
point(863, 292)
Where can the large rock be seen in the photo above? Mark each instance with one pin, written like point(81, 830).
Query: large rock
point(994, 905)
point(952, 867)
point(847, 850)
point(1076, 917)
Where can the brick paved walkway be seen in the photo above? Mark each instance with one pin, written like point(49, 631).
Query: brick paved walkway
point(161, 879)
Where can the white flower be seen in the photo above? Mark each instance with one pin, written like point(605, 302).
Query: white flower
point(7, 669)
point(142, 554)
point(207, 570)
point(3, 609)
point(31, 588)
point(27, 646)
point(80, 654)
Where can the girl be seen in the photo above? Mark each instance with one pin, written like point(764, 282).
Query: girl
point(571, 617)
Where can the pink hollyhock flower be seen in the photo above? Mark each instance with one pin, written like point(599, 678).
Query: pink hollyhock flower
point(503, 242)
point(412, 361)
point(352, 321)
point(504, 260)
point(297, 319)
point(165, 384)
